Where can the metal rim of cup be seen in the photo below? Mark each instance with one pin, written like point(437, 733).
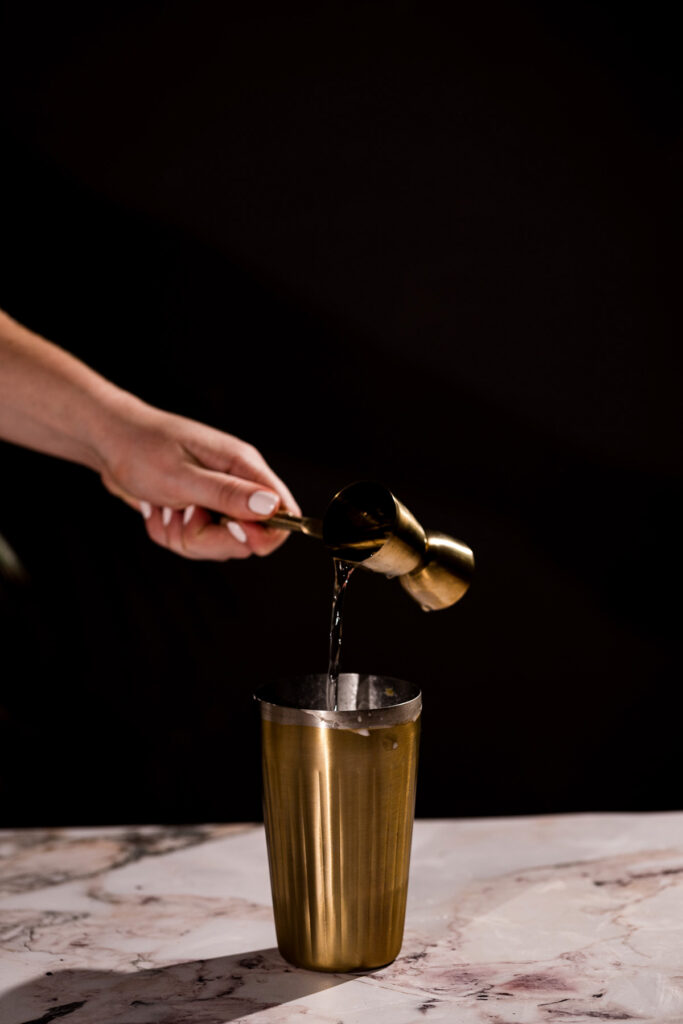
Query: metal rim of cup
point(377, 701)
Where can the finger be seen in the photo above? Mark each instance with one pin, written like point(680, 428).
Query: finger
point(158, 528)
point(163, 526)
point(156, 531)
point(202, 538)
point(257, 469)
point(192, 533)
point(199, 538)
point(262, 539)
point(233, 496)
point(172, 525)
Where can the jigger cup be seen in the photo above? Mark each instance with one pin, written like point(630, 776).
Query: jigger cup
point(339, 802)
point(365, 524)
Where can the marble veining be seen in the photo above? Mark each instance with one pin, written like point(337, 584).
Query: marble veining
point(560, 918)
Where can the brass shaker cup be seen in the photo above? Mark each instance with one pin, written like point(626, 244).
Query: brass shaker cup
point(339, 799)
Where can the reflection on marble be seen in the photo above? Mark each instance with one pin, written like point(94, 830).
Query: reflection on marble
point(572, 918)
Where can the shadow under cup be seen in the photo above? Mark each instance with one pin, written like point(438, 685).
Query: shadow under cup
point(339, 802)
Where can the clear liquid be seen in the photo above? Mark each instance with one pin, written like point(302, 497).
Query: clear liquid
point(342, 573)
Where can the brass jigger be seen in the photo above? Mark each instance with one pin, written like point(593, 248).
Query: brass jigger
point(366, 525)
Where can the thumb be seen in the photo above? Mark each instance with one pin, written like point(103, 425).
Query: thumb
point(231, 495)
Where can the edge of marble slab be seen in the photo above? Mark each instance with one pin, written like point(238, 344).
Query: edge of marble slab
point(236, 827)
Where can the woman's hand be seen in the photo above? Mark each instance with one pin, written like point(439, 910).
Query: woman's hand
point(173, 470)
point(176, 471)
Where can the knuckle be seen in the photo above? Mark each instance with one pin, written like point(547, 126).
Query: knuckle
point(249, 451)
point(228, 492)
point(250, 459)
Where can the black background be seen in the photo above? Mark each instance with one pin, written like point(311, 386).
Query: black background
point(430, 245)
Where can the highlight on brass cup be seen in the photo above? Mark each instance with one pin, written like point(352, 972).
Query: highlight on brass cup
point(339, 802)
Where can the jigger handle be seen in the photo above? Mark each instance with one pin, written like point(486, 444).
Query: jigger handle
point(297, 524)
point(286, 521)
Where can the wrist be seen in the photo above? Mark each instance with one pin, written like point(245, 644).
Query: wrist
point(114, 426)
point(91, 421)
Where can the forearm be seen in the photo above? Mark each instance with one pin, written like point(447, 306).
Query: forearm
point(49, 400)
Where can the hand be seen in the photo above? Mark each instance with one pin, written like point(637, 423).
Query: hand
point(175, 471)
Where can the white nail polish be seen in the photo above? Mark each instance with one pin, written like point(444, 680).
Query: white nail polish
point(146, 509)
point(166, 516)
point(237, 531)
point(187, 514)
point(263, 503)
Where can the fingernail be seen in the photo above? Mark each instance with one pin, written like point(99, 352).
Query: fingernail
point(146, 509)
point(263, 503)
point(166, 516)
point(237, 531)
point(187, 514)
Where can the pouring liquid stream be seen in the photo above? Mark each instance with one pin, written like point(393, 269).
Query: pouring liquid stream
point(342, 574)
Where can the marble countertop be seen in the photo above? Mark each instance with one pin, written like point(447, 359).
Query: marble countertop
point(563, 918)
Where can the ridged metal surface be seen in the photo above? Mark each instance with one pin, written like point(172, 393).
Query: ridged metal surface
point(338, 807)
